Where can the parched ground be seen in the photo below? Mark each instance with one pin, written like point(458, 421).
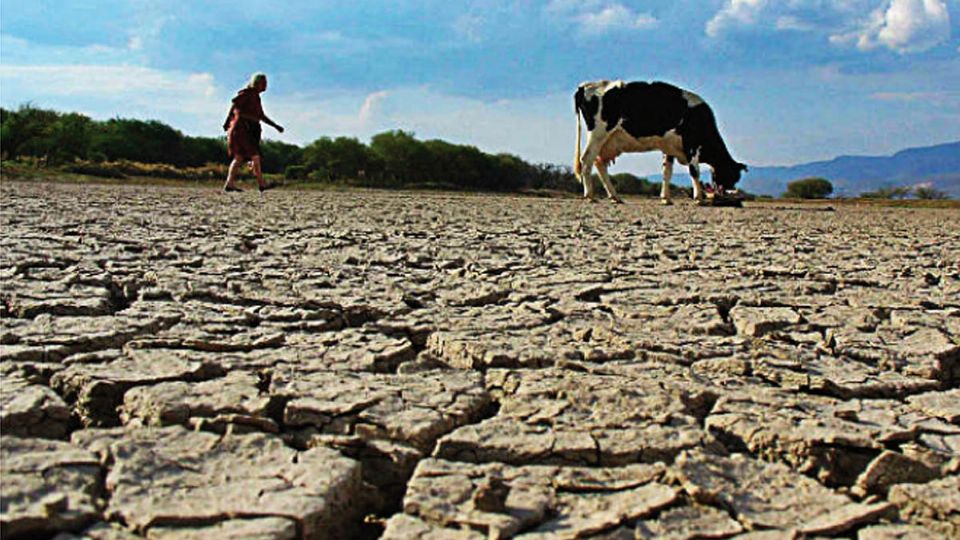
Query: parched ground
point(177, 363)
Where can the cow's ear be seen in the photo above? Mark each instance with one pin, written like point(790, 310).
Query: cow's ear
point(743, 167)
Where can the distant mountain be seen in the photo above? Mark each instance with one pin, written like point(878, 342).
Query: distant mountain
point(937, 166)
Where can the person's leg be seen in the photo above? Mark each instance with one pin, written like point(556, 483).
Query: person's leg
point(262, 184)
point(231, 183)
point(255, 164)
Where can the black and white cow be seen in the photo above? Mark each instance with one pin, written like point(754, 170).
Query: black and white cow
point(639, 117)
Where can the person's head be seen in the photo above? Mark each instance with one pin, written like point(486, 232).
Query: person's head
point(258, 81)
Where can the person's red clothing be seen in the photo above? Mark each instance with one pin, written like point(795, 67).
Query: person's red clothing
point(243, 125)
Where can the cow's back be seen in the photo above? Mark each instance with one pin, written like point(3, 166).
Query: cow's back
point(646, 109)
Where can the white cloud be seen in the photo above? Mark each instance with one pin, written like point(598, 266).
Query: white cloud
point(614, 17)
point(565, 7)
point(735, 12)
point(370, 106)
point(141, 37)
point(309, 43)
point(904, 26)
point(107, 80)
point(941, 98)
point(790, 22)
point(18, 51)
point(597, 17)
point(469, 26)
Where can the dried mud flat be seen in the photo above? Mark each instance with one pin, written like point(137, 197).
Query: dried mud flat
point(183, 364)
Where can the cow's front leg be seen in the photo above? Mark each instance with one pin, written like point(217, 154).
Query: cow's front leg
point(667, 175)
point(695, 177)
point(586, 178)
point(594, 144)
point(607, 183)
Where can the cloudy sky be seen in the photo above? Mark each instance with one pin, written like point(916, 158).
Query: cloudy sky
point(790, 80)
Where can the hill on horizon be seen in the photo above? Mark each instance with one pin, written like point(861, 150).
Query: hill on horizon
point(937, 166)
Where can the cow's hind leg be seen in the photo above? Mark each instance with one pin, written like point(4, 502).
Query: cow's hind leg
point(607, 183)
point(667, 175)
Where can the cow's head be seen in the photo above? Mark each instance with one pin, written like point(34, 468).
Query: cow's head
point(727, 175)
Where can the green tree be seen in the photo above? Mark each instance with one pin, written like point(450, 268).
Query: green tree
point(404, 158)
point(137, 140)
point(463, 166)
point(316, 156)
point(352, 158)
point(295, 172)
point(555, 177)
point(25, 132)
point(343, 158)
point(198, 151)
point(510, 173)
point(809, 188)
point(68, 138)
point(276, 156)
point(444, 168)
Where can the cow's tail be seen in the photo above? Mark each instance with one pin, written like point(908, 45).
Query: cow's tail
point(576, 155)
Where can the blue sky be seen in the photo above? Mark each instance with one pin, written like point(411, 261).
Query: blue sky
point(790, 80)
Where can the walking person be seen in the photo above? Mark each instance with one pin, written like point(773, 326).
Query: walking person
point(243, 132)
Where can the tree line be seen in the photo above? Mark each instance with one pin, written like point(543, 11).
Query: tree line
point(118, 146)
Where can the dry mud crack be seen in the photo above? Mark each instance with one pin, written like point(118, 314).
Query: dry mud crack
point(181, 364)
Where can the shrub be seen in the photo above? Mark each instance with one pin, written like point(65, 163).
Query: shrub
point(125, 169)
point(295, 172)
point(809, 188)
point(930, 194)
point(319, 175)
point(101, 170)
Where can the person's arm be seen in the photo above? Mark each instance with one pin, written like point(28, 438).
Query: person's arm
point(226, 123)
point(270, 122)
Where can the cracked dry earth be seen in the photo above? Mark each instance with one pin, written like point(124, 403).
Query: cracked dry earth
point(181, 364)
